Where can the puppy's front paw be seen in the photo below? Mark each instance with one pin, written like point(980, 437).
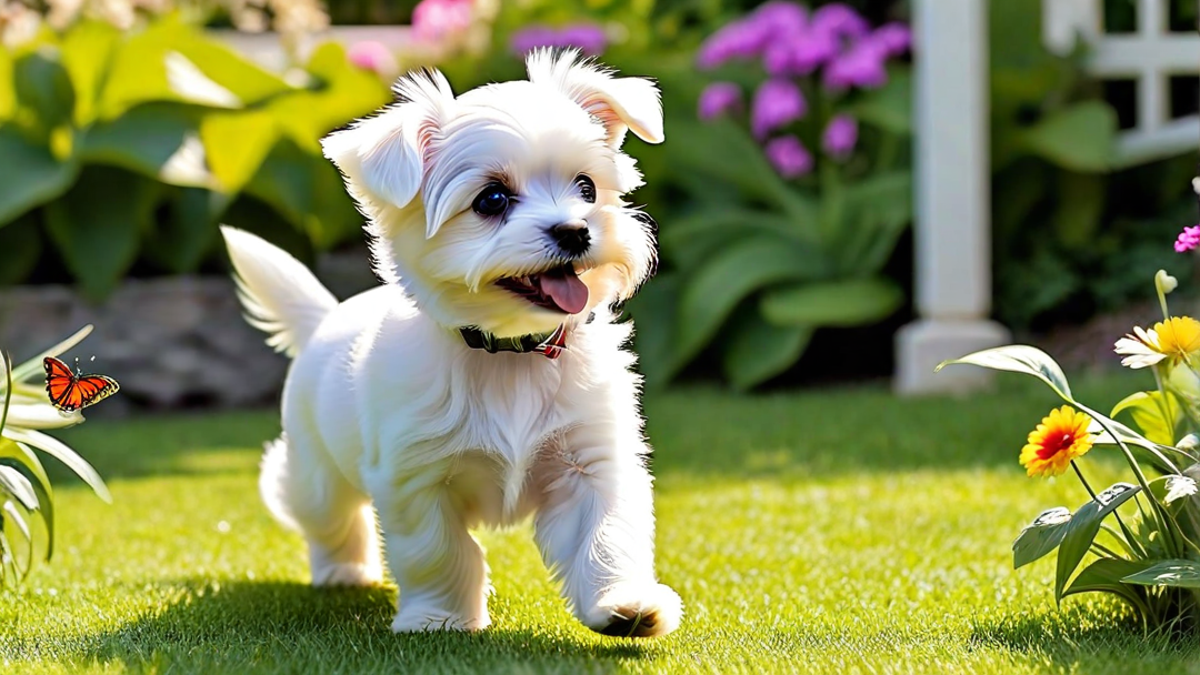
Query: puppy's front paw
point(636, 610)
point(346, 574)
point(424, 621)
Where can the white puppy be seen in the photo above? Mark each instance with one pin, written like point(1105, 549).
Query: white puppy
point(485, 380)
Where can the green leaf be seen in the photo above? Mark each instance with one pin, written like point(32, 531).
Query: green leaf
point(653, 312)
point(20, 454)
point(43, 86)
point(874, 213)
point(20, 249)
point(1146, 409)
point(16, 484)
point(60, 451)
point(8, 93)
point(713, 291)
point(1174, 573)
point(97, 235)
point(1107, 575)
point(236, 145)
point(1080, 137)
point(341, 92)
point(245, 79)
point(850, 302)
point(734, 222)
point(158, 140)
point(756, 351)
point(1083, 528)
point(889, 107)
point(14, 515)
point(1081, 199)
point(1020, 359)
point(181, 241)
point(1041, 536)
point(87, 52)
point(29, 175)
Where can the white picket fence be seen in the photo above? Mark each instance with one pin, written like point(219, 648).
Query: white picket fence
point(953, 225)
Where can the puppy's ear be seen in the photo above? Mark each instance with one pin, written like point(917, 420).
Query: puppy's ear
point(619, 103)
point(383, 156)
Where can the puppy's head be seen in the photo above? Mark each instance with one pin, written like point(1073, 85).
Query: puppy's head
point(502, 208)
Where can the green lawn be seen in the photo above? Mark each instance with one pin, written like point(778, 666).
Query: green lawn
point(833, 531)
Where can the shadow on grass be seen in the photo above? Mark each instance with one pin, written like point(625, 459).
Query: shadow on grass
point(247, 626)
point(1103, 637)
point(697, 432)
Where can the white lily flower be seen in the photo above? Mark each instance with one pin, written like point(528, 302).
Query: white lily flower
point(1140, 349)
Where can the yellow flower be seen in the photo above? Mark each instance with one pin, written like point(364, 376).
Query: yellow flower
point(1060, 438)
point(1177, 338)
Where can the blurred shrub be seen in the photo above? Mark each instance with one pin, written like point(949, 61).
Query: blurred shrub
point(125, 148)
point(771, 240)
point(1073, 235)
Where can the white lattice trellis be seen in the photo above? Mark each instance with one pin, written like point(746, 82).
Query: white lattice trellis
point(1150, 56)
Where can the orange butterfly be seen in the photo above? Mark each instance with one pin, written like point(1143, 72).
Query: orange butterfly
point(70, 391)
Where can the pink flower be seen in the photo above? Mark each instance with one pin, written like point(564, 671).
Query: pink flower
point(776, 103)
point(719, 98)
point(435, 20)
point(371, 55)
point(1188, 239)
point(840, 137)
point(737, 40)
point(894, 38)
point(789, 156)
point(841, 20)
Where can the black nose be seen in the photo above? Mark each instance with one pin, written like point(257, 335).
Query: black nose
point(572, 238)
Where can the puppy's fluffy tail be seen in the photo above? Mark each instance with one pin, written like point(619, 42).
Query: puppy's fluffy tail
point(281, 296)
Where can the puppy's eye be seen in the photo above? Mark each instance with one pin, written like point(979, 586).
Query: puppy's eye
point(587, 188)
point(493, 200)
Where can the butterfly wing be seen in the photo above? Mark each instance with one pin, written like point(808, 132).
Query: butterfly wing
point(60, 384)
point(95, 388)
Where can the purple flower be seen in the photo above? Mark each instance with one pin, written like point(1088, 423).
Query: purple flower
point(1188, 239)
point(789, 156)
point(841, 20)
point(861, 66)
point(738, 40)
point(719, 98)
point(840, 137)
point(587, 37)
point(893, 38)
point(776, 103)
point(781, 19)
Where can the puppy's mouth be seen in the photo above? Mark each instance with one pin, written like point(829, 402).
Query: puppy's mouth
point(558, 290)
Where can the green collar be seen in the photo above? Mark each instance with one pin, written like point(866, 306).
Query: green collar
point(551, 345)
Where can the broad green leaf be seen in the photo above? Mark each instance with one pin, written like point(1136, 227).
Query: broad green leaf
point(1041, 536)
point(181, 241)
point(1083, 528)
point(16, 484)
point(87, 52)
point(43, 86)
point(653, 312)
point(1020, 359)
point(889, 107)
point(1081, 199)
point(20, 249)
point(1079, 137)
point(97, 235)
point(15, 515)
point(341, 92)
point(60, 451)
point(1146, 408)
point(236, 144)
point(158, 140)
point(875, 213)
point(734, 221)
point(8, 93)
point(29, 175)
point(245, 79)
point(712, 292)
point(1175, 573)
point(1107, 575)
point(850, 302)
point(756, 351)
point(1158, 455)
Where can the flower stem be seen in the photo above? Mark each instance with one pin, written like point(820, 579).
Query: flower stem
point(1124, 528)
point(1083, 480)
point(1107, 551)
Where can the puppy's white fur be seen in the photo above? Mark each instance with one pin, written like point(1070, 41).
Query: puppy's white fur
point(387, 413)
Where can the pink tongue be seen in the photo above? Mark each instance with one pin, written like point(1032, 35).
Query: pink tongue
point(566, 290)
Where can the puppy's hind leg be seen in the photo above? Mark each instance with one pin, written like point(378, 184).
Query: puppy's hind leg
point(304, 491)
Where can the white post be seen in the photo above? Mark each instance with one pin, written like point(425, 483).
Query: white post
point(953, 232)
